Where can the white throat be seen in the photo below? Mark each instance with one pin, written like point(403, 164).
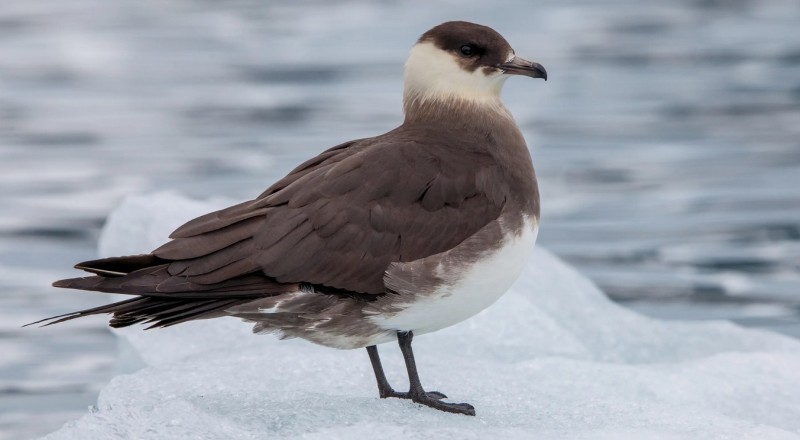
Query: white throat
point(435, 75)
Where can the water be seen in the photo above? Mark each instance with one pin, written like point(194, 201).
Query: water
point(667, 143)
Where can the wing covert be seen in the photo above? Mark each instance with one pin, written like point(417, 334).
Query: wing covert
point(341, 218)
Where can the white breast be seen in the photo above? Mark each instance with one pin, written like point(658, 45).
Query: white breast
point(479, 286)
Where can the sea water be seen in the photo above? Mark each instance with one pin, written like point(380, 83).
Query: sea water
point(665, 140)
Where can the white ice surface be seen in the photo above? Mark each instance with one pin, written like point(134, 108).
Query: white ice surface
point(553, 359)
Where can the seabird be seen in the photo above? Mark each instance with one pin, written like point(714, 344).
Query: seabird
point(374, 240)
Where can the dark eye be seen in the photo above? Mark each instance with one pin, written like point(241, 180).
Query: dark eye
point(467, 50)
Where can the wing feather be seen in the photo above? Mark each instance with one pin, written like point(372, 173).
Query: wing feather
point(338, 220)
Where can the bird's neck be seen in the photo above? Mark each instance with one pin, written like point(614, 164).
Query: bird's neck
point(487, 124)
point(421, 107)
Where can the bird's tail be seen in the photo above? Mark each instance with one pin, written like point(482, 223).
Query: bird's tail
point(161, 299)
point(157, 311)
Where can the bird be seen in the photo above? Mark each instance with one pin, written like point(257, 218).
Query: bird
point(372, 241)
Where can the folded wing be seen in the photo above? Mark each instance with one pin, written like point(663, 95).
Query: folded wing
point(340, 219)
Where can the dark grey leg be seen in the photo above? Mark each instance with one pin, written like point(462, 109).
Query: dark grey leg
point(416, 393)
point(384, 389)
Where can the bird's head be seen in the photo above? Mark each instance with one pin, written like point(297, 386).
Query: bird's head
point(462, 61)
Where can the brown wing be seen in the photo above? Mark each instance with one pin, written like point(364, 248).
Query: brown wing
point(341, 218)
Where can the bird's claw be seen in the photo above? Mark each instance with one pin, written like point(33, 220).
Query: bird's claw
point(432, 399)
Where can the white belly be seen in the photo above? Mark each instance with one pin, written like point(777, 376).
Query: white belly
point(480, 285)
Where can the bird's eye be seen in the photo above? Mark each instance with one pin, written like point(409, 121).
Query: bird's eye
point(467, 50)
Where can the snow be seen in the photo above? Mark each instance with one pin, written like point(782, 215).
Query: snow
point(552, 359)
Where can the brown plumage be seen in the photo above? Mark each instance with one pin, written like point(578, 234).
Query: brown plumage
point(336, 221)
point(345, 248)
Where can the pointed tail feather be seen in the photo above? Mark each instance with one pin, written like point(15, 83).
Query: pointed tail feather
point(108, 308)
point(161, 298)
point(158, 311)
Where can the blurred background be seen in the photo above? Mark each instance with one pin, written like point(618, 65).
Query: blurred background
point(667, 143)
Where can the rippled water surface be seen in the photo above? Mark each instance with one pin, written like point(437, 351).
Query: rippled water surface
point(667, 143)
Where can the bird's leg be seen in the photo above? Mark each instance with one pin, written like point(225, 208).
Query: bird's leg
point(384, 389)
point(416, 393)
